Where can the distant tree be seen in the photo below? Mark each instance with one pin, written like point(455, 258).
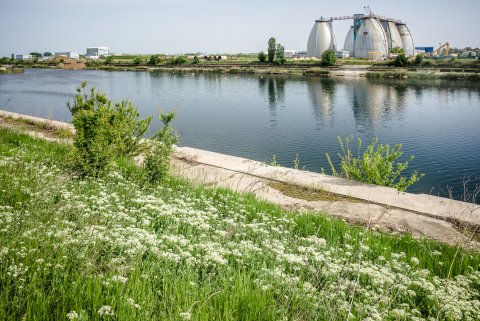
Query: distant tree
point(137, 60)
point(329, 58)
point(154, 60)
point(262, 57)
point(196, 60)
point(109, 60)
point(401, 60)
point(47, 54)
point(36, 54)
point(272, 48)
point(398, 50)
point(4, 60)
point(280, 54)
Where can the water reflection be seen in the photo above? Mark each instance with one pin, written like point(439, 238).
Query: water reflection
point(322, 95)
point(373, 103)
point(274, 88)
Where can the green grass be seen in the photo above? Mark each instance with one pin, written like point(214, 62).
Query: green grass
point(76, 248)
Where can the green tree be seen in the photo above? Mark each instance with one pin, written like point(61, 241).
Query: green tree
point(262, 57)
point(36, 54)
point(280, 54)
point(272, 48)
point(154, 60)
point(47, 54)
point(329, 58)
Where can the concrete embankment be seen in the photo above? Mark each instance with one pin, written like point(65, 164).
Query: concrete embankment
point(378, 207)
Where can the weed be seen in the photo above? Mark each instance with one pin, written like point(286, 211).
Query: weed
point(378, 164)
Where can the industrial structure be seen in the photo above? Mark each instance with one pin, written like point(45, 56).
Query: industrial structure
point(96, 52)
point(370, 37)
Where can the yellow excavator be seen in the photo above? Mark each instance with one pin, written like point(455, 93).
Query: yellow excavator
point(442, 50)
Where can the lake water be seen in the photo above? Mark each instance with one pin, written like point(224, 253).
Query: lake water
point(259, 116)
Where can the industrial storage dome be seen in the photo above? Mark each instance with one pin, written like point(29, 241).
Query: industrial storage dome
point(393, 36)
point(407, 40)
point(371, 42)
point(321, 39)
point(350, 41)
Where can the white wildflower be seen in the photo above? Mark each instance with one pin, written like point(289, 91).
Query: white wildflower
point(72, 315)
point(106, 310)
point(185, 315)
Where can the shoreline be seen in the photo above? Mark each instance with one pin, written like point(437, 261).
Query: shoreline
point(471, 73)
point(445, 220)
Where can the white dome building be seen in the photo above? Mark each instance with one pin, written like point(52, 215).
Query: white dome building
point(321, 39)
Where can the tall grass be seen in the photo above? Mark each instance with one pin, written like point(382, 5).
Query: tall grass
point(116, 248)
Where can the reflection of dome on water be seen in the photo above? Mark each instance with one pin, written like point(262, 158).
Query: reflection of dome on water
point(321, 39)
point(322, 95)
point(371, 41)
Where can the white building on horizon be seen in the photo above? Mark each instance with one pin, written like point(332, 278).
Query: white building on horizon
point(96, 52)
point(23, 57)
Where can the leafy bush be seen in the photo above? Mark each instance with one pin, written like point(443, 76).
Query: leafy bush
point(262, 57)
point(377, 165)
point(137, 60)
point(329, 58)
point(180, 60)
point(398, 50)
point(401, 60)
point(104, 132)
point(154, 60)
point(157, 160)
point(109, 60)
point(418, 59)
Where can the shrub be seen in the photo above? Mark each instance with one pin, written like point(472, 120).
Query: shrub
point(377, 165)
point(137, 60)
point(181, 60)
point(109, 60)
point(154, 60)
point(104, 132)
point(262, 57)
point(398, 50)
point(157, 161)
point(401, 60)
point(418, 59)
point(329, 58)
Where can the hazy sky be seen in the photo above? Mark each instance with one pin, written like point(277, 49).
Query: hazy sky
point(176, 26)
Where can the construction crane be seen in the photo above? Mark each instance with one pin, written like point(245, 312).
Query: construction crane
point(445, 48)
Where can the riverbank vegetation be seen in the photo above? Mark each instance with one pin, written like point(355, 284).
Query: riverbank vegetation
point(115, 247)
point(122, 244)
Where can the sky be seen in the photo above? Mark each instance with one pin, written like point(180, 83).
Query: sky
point(214, 26)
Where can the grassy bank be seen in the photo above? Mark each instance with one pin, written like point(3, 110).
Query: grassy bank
point(116, 248)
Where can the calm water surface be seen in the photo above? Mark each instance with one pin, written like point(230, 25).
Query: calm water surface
point(259, 116)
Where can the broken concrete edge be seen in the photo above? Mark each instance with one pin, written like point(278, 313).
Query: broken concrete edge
point(460, 213)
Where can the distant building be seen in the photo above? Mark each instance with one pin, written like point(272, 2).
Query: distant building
point(68, 54)
point(302, 54)
point(23, 57)
point(424, 49)
point(343, 54)
point(290, 53)
point(96, 52)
